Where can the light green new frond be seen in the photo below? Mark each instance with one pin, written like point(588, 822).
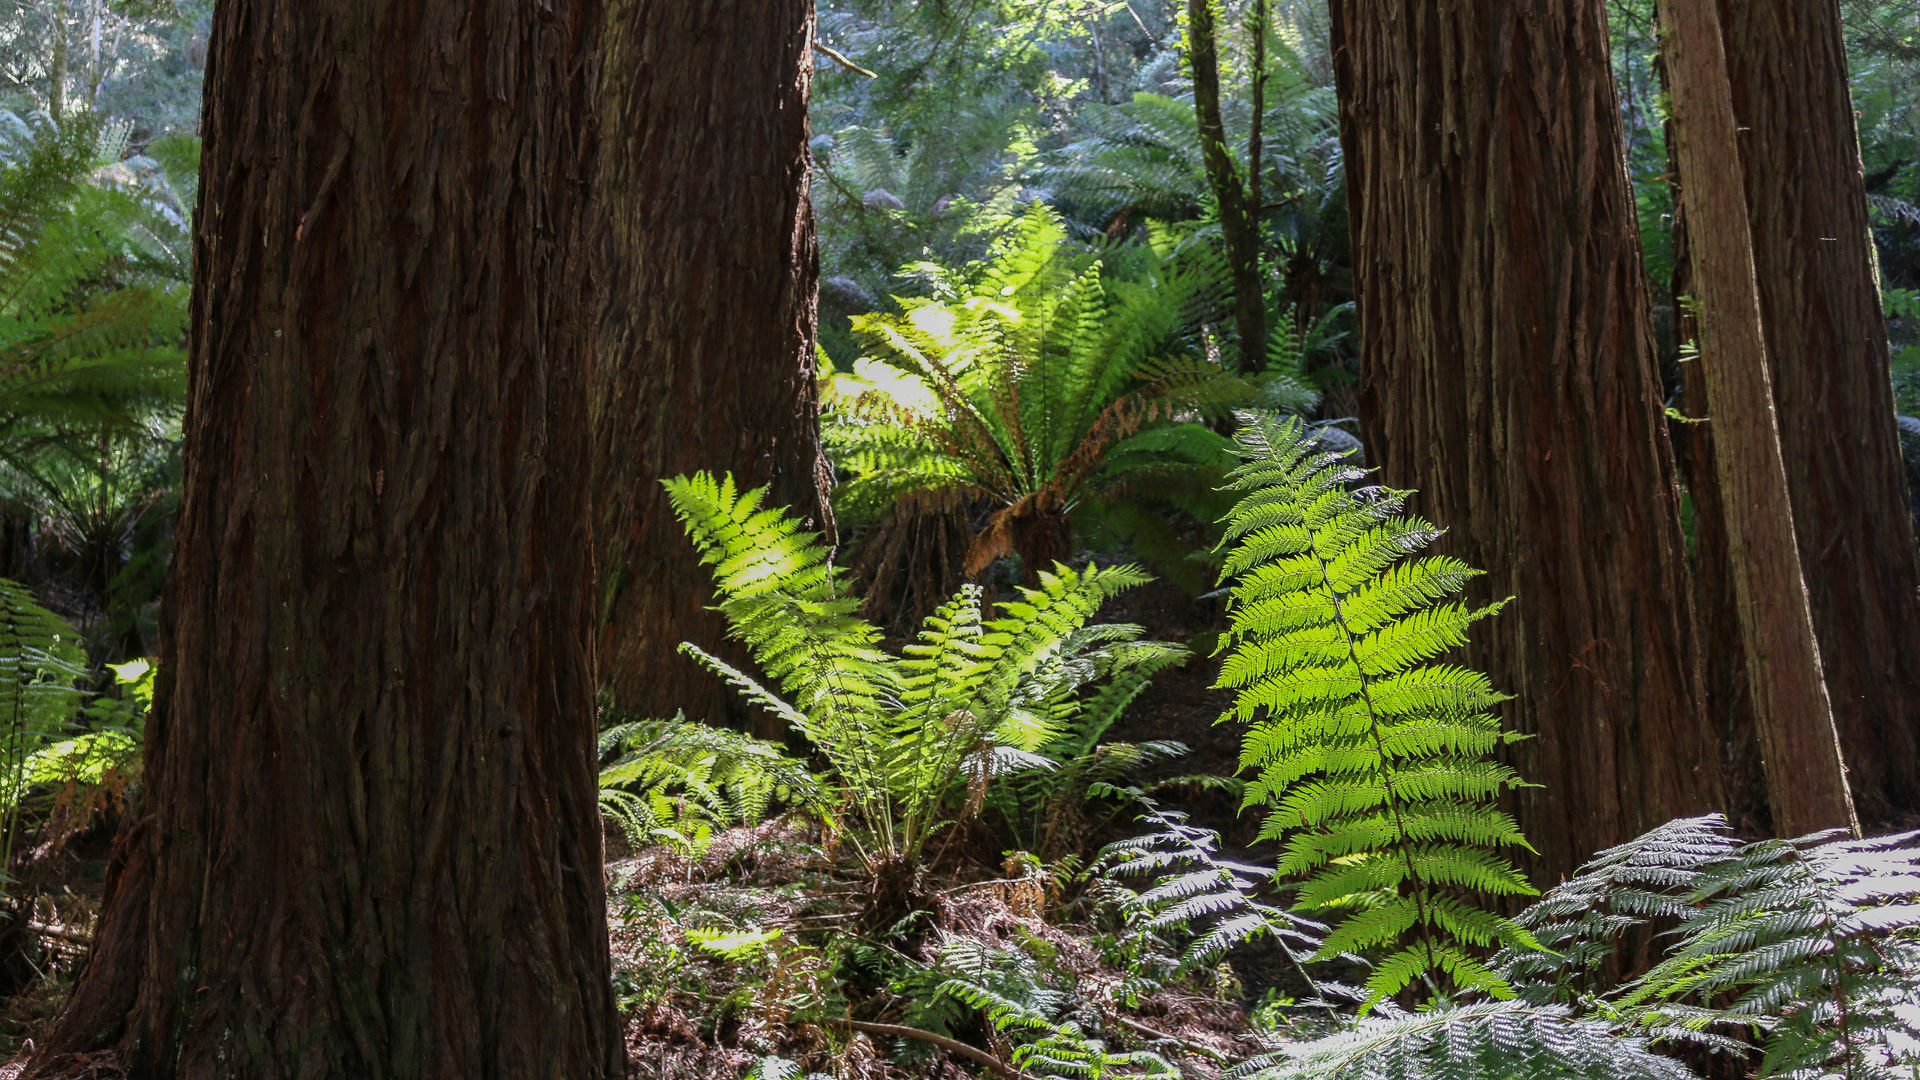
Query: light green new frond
point(1373, 762)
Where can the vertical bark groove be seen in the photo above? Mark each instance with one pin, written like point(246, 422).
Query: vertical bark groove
point(706, 341)
point(370, 843)
point(1507, 373)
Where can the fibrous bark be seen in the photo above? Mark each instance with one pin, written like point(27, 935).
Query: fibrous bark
point(706, 342)
point(369, 843)
point(1832, 387)
point(1806, 784)
point(1507, 373)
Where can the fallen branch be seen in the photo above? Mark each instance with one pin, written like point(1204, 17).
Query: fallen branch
point(951, 1046)
point(840, 58)
point(78, 937)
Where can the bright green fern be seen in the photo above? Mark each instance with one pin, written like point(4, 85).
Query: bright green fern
point(1371, 759)
point(970, 699)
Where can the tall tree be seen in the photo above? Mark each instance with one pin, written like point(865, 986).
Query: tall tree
point(1832, 387)
point(1800, 751)
point(1239, 203)
point(706, 342)
point(1507, 373)
point(369, 842)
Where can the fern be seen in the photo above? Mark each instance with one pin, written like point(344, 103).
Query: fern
point(1493, 1040)
point(1371, 759)
point(40, 664)
point(1035, 385)
point(1013, 993)
point(1196, 892)
point(971, 699)
point(675, 781)
point(1813, 943)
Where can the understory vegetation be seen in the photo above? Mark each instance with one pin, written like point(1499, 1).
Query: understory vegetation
point(1118, 720)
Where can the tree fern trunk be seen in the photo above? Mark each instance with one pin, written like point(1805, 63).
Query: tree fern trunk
point(706, 342)
point(1508, 374)
point(1806, 784)
point(370, 844)
point(1239, 218)
point(1827, 349)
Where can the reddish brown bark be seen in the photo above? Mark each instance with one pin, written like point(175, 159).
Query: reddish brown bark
point(1806, 786)
point(1827, 351)
point(369, 843)
point(1508, 375)
point(706, 342)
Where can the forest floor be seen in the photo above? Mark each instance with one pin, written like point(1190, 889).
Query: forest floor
point(745, 951)
point(701, 1011)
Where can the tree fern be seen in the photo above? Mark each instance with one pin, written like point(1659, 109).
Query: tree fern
point(972, 698)
point(1371, 759)
point(1036, 385)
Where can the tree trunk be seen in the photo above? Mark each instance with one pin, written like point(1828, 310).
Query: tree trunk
point(57, 73)
point(1717, 613)
point(1239, 219)
point(1806, 786)
point(1827, 348)
point(706, 342)
point(369, 843)
point(1507, 373)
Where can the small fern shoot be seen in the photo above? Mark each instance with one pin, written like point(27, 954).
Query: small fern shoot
point(1372, 761)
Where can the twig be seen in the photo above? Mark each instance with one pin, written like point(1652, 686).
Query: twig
point(1188, 1043)
point(951, 1046)
point(78, 937)
point(840, 58)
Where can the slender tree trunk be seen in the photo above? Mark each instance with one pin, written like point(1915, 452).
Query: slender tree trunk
point(1729, 702)
point(369, 843)
point(706, 341)
point(1507, 373)
point(1832, 387)
point(1239, 220)
point(57, 74)
point(1807, 787)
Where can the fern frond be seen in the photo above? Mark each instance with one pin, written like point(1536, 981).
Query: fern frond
point(1371, 759)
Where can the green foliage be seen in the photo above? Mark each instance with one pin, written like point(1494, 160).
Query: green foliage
point(1493, 1040)
point(93, 261)
point(1811, 942)
point(1372, 760)
point(675, 782)
point(972, 698)
point(41, 666)
point(1196, 893)
point(1010, 988)
point(1035, 385)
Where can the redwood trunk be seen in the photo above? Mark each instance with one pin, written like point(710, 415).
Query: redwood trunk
point(706, 342)
point(1507, 373)
point(370, 844)
point(1806, 786)
point(1832, 388)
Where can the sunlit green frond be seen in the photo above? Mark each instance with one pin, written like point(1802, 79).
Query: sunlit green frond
point(1372, 761)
